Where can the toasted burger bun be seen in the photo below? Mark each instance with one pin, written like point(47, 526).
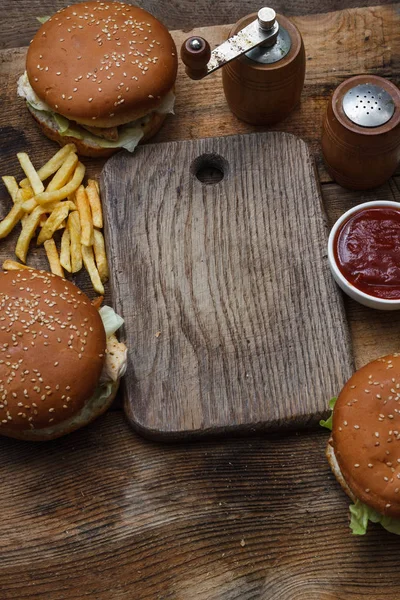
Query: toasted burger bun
point(364, 450)
point(87, 147)
point(102, 64)
point(330, 455)
point(52, 351)
point(90, 411)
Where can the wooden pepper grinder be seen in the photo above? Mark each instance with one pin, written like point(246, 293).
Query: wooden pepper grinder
point(264, 66)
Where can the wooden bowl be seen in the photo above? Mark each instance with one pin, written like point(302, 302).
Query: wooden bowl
point(359, 157)
point(263, 94)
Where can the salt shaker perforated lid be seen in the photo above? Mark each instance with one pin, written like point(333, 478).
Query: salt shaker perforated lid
point(361, 132)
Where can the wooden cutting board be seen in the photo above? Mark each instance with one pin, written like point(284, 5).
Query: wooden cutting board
point(232, 319)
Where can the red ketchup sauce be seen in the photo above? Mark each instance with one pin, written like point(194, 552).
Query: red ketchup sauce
point(367, 251)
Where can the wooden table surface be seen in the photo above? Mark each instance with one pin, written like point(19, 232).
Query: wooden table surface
point(104, 514)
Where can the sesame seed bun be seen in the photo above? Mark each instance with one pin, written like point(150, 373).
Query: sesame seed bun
point(52, 351)
point(364, 450)
point(87, 146)
point(102, 64)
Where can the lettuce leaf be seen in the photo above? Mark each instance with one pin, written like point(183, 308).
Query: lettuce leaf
point(361, 514)
point(62, 123)
point(111, 320)
point(390, 524)
point(328, 422)
point(130, 134)
point(42, 19)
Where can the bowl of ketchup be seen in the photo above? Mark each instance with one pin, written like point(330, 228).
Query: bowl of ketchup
point(364, 254)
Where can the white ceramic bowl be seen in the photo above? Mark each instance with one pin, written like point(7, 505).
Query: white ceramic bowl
point(347, 287)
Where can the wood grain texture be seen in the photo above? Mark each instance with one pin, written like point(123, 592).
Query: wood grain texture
point(231, 314)
point(19, 22)
point(103, 514)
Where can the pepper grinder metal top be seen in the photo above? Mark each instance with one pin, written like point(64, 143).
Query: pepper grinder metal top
point(200, 61)
point(264, 66)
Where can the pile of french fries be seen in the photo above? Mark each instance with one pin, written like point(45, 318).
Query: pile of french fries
point(64, 204)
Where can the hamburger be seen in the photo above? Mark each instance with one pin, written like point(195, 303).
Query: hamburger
point(60, 362)
point(364, 448)
point(100, 75)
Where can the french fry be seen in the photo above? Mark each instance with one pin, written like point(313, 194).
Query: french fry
point(55, 219)
point(10, 221)
point(74, 228)
point(25, 194)
point(64, 173)
point(88, 261)
point(65, 204)
point(18, 195)
point(95, 203)
point(65, 253)
point(83, 206)
point(13, 265)
point(52, 165)
point(27, 233)
point(30, 172)
point(53, 205)
point(59, 228)
point(57, 195)
point(62, 225)
point(100, 255)
point(29, 205)
point(52, 257)
point(11, 185)
point(49, 208)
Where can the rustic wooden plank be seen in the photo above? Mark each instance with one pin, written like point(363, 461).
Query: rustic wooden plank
point(243, 520)
point(231, 313)
point(19, 23)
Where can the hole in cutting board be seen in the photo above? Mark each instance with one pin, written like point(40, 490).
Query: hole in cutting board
point(209, 168)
